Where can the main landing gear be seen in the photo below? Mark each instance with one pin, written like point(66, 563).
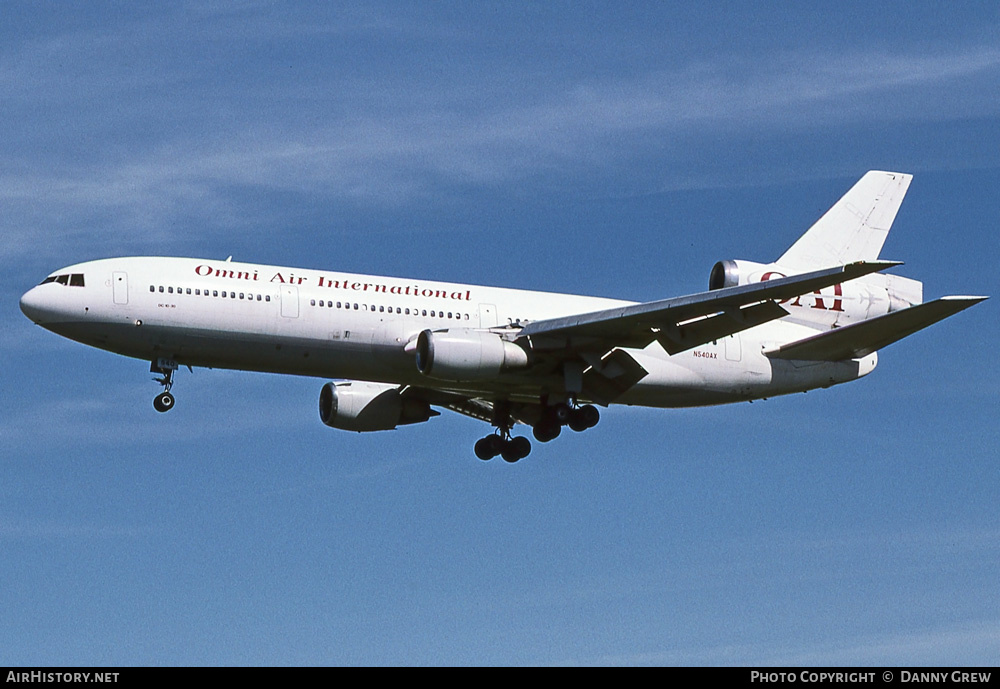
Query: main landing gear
point(501, 443)
point(164, 401)
point(555, 417)
point(548, 427)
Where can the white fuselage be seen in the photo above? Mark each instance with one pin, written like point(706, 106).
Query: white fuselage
point(222, 314)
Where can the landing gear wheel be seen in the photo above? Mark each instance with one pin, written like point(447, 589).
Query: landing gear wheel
point(163, 402)
point(515, 449)
point(562, 413)
point(489, 447)
point(583, 418)
point(576, 422)
point(544, 432)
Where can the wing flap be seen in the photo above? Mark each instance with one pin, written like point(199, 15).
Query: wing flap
point(723, 324)
point(609, 378)
point(861, 339)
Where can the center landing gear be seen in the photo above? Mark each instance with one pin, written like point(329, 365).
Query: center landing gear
point(501, 443)
point(164, 401)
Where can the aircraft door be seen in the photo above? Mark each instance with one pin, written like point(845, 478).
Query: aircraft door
point(487, 316)
point(734, 347)
point(289, 301)
point(119, 287)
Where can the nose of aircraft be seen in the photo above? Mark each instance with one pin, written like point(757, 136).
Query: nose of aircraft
point(33, 305)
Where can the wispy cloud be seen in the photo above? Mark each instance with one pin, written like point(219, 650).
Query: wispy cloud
point(974, 643)
point(147, 146)
point(24, 529)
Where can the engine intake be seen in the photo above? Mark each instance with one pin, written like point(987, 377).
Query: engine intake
point(360, 406)
point(735, 273)
point(466, 354)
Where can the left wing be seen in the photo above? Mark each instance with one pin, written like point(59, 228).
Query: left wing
point(685, 322)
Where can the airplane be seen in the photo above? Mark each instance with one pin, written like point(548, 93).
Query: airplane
point(395, 349)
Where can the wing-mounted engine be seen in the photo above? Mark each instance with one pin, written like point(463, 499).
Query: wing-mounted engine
point(464, 354)
point(361, 406)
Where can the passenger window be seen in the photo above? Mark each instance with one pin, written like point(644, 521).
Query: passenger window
point(215, 292)
point(187, 290)
point(152, 289)
point(258, 297)
point(170, 290)
point(267, 298)
point(241, 295)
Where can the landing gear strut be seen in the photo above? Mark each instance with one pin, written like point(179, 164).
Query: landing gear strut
point(501, 443)
point(164, 401)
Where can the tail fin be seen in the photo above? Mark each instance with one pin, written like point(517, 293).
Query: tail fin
point(855, 228)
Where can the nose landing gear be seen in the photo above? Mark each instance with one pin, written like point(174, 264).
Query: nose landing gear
point(165, 367)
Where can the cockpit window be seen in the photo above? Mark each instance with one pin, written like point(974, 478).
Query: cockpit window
point(74, 280)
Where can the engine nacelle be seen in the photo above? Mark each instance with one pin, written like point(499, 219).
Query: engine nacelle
point(360, 406)
point(735, 273)
point(466, 354)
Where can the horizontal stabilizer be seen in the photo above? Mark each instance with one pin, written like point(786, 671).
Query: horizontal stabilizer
point(861, 339)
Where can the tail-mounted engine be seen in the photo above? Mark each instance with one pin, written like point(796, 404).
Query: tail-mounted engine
point(734, 273)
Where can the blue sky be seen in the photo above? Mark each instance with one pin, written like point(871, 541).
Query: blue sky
point(578, 147)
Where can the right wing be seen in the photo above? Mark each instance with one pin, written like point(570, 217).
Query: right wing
point(681, 323)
